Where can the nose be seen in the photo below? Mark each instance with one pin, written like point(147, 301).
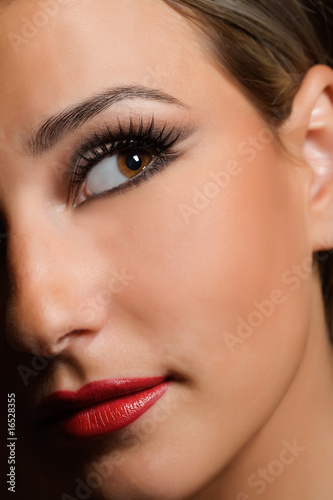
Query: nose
point(48, 282)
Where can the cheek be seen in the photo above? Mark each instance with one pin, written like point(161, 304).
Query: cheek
point(216, 275)
point(220, 299)
point(194, 241)
point(212, 297)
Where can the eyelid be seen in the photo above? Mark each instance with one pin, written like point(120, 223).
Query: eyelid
point(153, 136)
point(124, 124)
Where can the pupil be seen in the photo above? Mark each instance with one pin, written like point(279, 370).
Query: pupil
point(133, 162)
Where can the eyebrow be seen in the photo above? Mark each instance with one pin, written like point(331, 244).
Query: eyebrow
point(47, 134)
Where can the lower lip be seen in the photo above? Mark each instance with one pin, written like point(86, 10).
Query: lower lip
point(110, 416)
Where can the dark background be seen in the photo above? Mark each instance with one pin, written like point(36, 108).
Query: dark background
point(321, 14)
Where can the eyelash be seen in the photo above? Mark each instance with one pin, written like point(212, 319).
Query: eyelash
point(137, 138)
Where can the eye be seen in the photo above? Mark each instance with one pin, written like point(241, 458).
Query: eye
point(114, 170)
point(119, 158)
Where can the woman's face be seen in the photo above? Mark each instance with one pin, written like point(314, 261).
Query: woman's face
point(189, 275)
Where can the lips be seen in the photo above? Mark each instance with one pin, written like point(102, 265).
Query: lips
point(100, 408)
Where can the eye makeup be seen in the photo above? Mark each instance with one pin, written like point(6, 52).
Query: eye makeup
point(133, 138)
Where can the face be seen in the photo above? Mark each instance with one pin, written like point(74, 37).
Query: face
point(151, 234)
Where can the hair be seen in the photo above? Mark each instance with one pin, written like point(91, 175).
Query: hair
point(268, 46)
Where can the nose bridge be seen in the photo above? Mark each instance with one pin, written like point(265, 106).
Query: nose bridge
point(30, 245)
point(42, 302)
point(30, 255)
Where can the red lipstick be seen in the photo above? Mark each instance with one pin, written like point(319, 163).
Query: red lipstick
point(102, 407)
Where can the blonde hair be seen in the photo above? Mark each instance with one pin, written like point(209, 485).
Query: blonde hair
point(267, 46)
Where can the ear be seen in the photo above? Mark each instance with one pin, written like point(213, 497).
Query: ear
point(308, 134)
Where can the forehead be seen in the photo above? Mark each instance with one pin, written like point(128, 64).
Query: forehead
point(54, 57)
point(68, 47)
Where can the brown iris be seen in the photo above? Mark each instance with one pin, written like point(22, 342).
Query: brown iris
point(132, 163)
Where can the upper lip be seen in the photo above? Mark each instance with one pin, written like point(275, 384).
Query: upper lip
point(61, 402)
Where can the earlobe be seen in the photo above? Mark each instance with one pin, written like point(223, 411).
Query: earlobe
point(309, 135)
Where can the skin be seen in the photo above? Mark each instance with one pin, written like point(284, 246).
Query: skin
point(233, 404)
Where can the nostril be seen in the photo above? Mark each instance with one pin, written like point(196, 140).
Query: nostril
point(72, 333)
point(63, 341)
